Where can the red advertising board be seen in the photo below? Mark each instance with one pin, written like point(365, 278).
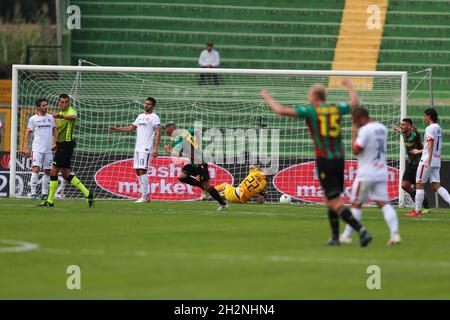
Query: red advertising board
point(300, 181)
point(119, 178)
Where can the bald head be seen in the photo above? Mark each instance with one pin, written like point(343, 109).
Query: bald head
point(317, 94)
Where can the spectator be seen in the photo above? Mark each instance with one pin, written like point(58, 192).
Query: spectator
point(209, 58)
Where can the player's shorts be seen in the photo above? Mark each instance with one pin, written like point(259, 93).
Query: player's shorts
point(331, 176)
point(198, 170)
point(142, 160)
point(365, 190)
point(63, 154)
point(42, 160)
point(428, 173)
point(230, 194)
point(410, 173)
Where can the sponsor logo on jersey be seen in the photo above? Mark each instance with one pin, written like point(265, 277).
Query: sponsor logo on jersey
point(301, 181)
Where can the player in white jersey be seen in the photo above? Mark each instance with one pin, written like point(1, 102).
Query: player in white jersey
point(147, 128)
point(370, 145)
point(430, 162)
point(43, 127)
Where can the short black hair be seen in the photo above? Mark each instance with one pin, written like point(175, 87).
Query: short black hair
point(210, 44)
point(360, 113)
point(432, 114)
point(38, 102)
point(153, 100)
point(169, 124)
point(408, 120)
point(63, 96)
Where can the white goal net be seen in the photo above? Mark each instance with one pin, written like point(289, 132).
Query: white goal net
point(237, 127)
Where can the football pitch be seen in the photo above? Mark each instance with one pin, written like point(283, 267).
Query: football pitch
point(187, 250)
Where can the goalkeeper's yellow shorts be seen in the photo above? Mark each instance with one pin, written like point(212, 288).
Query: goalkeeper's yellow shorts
point(229, 192)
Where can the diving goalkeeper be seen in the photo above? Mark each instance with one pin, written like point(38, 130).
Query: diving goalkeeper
point(253, 186)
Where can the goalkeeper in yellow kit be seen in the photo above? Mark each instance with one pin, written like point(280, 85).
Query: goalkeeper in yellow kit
point(253, 186)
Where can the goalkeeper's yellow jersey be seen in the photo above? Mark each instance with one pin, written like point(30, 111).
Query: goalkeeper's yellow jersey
point(253, 184)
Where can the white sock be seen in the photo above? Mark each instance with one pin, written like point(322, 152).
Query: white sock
point(140, 183)
point(390, 216)
point(356, 212)
point(144, 185)
point(45, 184)
point(444, 194)
point(34, 182)
point(420, 195)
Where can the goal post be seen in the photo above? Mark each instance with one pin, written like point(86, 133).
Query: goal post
point(237, 127)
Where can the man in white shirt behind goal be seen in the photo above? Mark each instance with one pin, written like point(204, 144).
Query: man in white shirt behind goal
point(430, 162)
point(370, 145)
point(147, 128)
point(43, 128)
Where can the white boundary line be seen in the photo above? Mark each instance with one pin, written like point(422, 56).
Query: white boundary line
point(244, 257)
point(19, 246)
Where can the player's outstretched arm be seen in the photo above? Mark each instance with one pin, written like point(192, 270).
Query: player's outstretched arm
point(275, 106)
point(172, 152)
point(56, 115)
point(121, 129)
point(395, 128)
point(354, 100)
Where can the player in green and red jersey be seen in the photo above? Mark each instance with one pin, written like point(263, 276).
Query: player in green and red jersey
point(411, 140)
point(324, 122)
point(195, 172)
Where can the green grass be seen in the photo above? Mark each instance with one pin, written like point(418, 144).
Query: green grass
point(190, 251)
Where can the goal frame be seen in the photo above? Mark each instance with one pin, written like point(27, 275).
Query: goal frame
point(19, 67)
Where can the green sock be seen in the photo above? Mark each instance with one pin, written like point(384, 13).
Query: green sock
point(77, 183)
point(53, 188)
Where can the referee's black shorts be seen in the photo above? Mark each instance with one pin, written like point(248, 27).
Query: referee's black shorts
point(63, 154)
point(331, 176)
point(410, 173)
point(198, 170)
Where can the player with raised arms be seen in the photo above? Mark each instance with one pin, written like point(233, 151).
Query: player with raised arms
point(65, 145)
point(43, 128)
point(147, 126)
point(411, 140)
point(370, 145)
point(186, 144)
point(324, 122)
point(430, 162)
